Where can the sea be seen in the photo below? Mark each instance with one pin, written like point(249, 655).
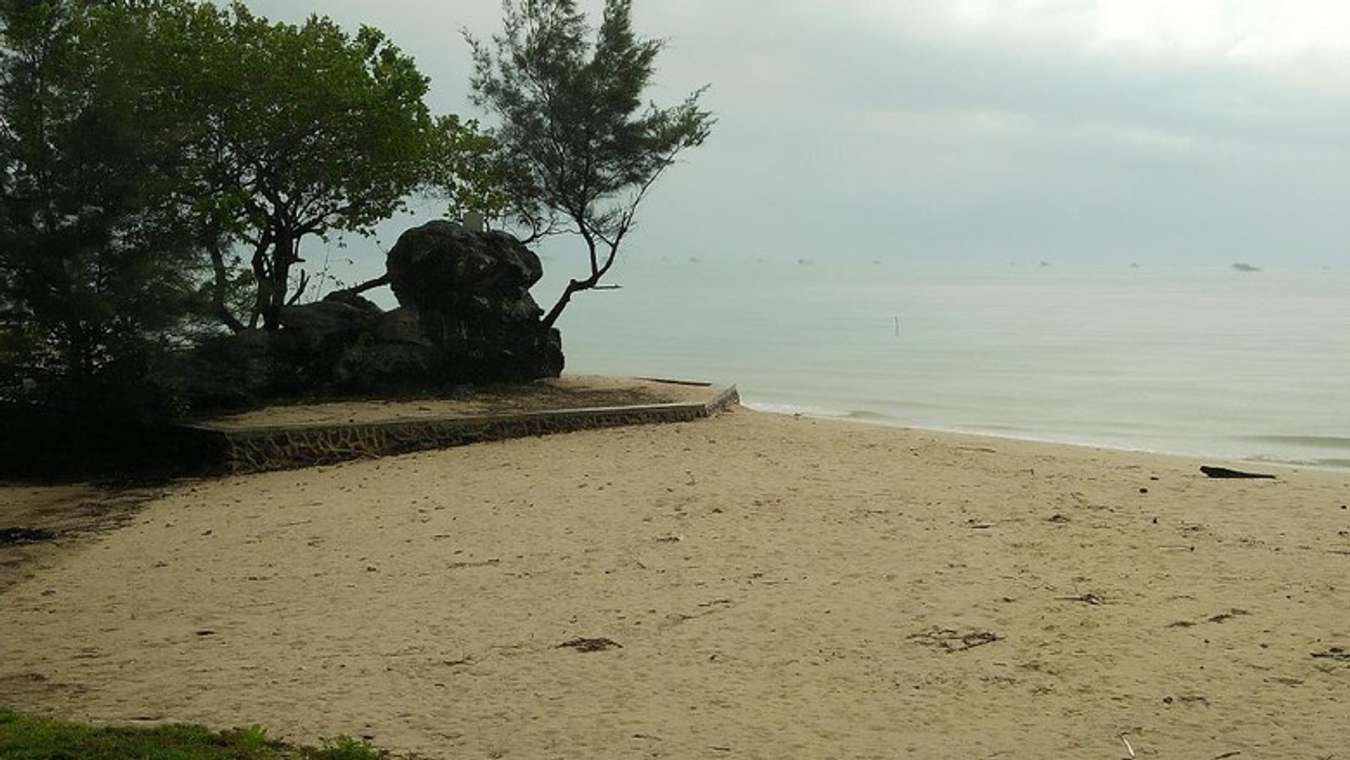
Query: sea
point(1216, 362)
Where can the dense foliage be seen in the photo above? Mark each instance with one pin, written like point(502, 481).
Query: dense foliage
point(303, 130)
point(98, 266)
point(579, 149)
point(161, 164)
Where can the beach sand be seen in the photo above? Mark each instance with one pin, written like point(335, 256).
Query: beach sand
point(777, 587)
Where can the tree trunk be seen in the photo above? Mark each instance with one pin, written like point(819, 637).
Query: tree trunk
point(264, 285)
point(218, 291)
point(283, 255)
point(575, 286)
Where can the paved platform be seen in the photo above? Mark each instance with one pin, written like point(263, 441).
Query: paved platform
point(306, 435)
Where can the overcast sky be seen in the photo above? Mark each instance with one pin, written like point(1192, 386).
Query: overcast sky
point(977, 130)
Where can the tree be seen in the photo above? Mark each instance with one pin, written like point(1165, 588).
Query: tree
point(97, 269)
point(579, 153)
point(304, 131)
point(143, 142)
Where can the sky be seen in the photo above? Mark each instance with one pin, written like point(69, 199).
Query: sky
point(972, 132)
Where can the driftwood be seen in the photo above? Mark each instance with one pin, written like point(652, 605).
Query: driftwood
point(1224, 472)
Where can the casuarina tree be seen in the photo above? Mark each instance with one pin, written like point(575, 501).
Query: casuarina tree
point(578, 150)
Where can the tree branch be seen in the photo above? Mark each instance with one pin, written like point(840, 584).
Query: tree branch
point(367, 285)
point(300, 289)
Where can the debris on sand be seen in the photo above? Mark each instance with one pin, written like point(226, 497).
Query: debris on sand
point(1225, 473)
point(590, 645)
point(1340, 654)
point(21, 536)
point(951, 641)
point(1222, 617)
point(1091, 599)
point(1229, 615)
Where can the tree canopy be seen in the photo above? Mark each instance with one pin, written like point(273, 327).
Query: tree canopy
point(304, 130)
point(162, 162)
point(578, 150)
point(97, 264)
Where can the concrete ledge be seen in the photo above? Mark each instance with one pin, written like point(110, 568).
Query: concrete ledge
point(269, 448)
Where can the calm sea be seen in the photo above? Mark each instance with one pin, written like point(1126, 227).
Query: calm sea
point(1209, 362)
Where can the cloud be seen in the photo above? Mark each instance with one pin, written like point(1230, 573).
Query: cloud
point(978, 130)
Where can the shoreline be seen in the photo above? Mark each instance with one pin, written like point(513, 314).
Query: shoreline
point(863, 417)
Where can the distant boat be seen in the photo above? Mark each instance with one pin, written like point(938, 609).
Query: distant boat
point(1243, 267)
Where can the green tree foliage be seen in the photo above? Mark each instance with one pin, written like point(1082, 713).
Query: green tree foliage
point(578, 150)
point(162, 162)
point(98, 270)
point(304, 130)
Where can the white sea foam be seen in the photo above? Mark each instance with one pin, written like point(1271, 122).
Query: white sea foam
point(795, 409)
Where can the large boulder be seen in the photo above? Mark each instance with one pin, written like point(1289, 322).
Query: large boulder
point(442, 262)
point(470, 294)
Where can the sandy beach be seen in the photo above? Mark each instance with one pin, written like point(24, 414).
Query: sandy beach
point(755, 586)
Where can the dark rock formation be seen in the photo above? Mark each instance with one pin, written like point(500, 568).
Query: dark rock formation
point(466, 316)
point(328, 323)
point(439, 262)
point(470, 295)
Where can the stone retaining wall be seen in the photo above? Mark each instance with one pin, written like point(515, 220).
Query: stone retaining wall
point(266, 449)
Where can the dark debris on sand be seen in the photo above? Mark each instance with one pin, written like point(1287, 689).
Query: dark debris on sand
point(951, 641)
point(590, 645)
point(21, 536)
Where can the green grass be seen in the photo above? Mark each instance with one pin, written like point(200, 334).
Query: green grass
point(27, 738)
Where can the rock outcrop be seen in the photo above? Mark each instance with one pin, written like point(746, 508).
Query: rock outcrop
point(465, 317)
point(470, 295)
